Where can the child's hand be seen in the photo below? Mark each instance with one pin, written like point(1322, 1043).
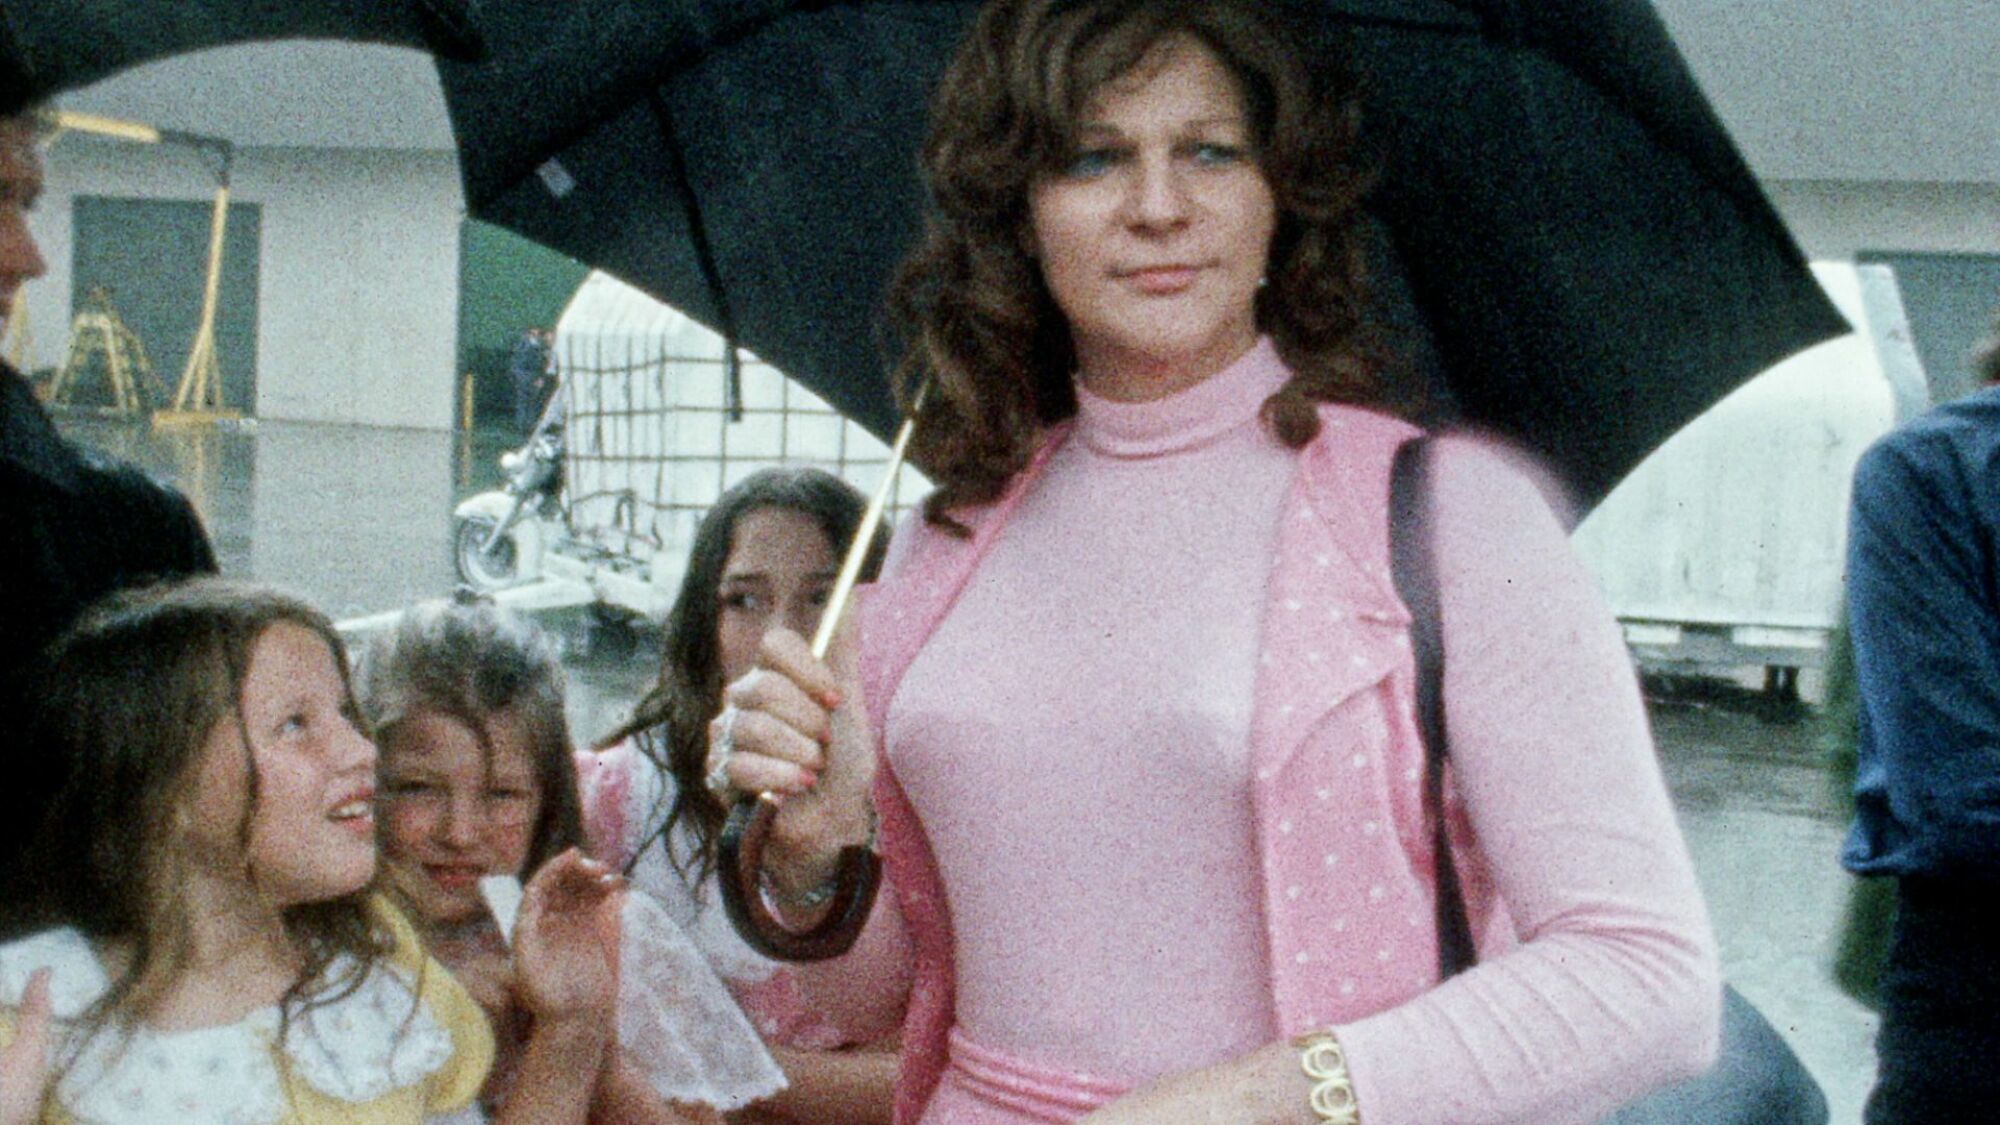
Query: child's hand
point(24, 1063)
point(566, 941)
point(489, 977)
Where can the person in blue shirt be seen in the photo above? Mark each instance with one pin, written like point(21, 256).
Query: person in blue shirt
point(528, 371)
point(1923, 588)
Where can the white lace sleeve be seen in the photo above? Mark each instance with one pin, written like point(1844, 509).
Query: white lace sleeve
point(679, 1024)
point(470, 1115)
point(695, 909)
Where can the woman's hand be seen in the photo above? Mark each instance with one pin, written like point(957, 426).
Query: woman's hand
point(24, 1062)
point(1264, 1087)
point(566, 942)
point(849, 1086)
point(795, 728)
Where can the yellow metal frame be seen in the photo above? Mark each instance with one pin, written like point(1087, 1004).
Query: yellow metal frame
point(198, 396)
point(98, 331)
point(18, 342)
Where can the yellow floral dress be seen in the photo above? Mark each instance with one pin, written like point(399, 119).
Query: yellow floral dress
point(407, 1046)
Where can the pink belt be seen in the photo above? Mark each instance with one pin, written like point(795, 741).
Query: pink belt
point(1039, 1092)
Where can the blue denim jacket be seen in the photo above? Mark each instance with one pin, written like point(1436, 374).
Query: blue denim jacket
point(1924, 605)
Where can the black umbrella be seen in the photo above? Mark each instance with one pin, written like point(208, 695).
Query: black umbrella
point(1589, 261)
point(1589, 258)
point(47, 46)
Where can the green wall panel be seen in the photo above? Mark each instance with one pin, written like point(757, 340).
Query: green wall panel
point(151, 255)
point(506, 283)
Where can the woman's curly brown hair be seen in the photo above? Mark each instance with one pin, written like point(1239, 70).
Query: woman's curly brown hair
point(974, 317)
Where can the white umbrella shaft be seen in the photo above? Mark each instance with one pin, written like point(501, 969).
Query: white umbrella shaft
point(864, 536)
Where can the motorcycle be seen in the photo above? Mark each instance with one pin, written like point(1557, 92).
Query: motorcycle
point(500, 539)
point(643, 431)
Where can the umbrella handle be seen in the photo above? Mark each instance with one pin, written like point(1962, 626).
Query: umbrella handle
point(741, 853)
point(740, 849)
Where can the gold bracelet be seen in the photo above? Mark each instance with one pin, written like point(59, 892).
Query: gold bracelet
point(1332, 1097)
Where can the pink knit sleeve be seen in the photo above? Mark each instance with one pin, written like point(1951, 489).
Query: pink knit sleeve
point(861, 993)
point(1614, 988)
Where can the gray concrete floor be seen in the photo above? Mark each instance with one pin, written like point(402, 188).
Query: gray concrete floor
point(358, 520)
point(1764, 826)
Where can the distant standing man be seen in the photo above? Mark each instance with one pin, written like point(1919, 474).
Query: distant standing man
point(77, 524)
point(529, 368)
point(1923, 588)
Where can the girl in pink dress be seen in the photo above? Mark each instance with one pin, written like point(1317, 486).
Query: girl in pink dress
point(1133, 702)
point(763, 558)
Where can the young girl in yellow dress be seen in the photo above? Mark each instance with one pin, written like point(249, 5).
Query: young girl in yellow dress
point(204, 945)
point(467, 705)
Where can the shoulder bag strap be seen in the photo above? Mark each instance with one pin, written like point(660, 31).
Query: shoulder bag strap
point(1415, 574)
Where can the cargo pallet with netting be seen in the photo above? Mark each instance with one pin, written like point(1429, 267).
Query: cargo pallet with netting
point(648, 426)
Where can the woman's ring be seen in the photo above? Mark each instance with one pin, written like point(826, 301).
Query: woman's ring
point(725, 746)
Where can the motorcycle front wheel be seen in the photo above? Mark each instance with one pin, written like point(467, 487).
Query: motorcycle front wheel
point(480, 568)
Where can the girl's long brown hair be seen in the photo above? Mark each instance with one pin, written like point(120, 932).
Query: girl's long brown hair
point(670, 725)
point(126, 703)
point(969, 305)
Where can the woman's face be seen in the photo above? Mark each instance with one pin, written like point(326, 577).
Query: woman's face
point(312, 825)
point(779, 571)
point(1153, 239)
point(447, 819)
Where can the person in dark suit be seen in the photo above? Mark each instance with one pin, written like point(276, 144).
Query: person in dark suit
point(528, 370)
point(78, 524)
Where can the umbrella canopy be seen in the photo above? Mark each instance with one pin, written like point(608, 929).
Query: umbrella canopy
point(47, 46)
point(1586, 260)
point(1590, 261)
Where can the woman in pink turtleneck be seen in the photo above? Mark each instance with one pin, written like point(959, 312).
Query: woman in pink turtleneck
point(1133, 704)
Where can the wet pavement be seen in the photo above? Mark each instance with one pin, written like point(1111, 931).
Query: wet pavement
point(1764, 826)
point(358, 520)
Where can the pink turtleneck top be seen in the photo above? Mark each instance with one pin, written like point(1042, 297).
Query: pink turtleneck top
point(1074, 738)
point(1088, 786)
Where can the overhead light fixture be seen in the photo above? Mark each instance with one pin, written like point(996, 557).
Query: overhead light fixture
point(105, 126)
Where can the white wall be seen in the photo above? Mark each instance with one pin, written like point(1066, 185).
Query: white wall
point(1834, 218)
point(310, 484)
point(359, 293)
point(1740, 518)
point(1866, 90)
point(357, 315)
